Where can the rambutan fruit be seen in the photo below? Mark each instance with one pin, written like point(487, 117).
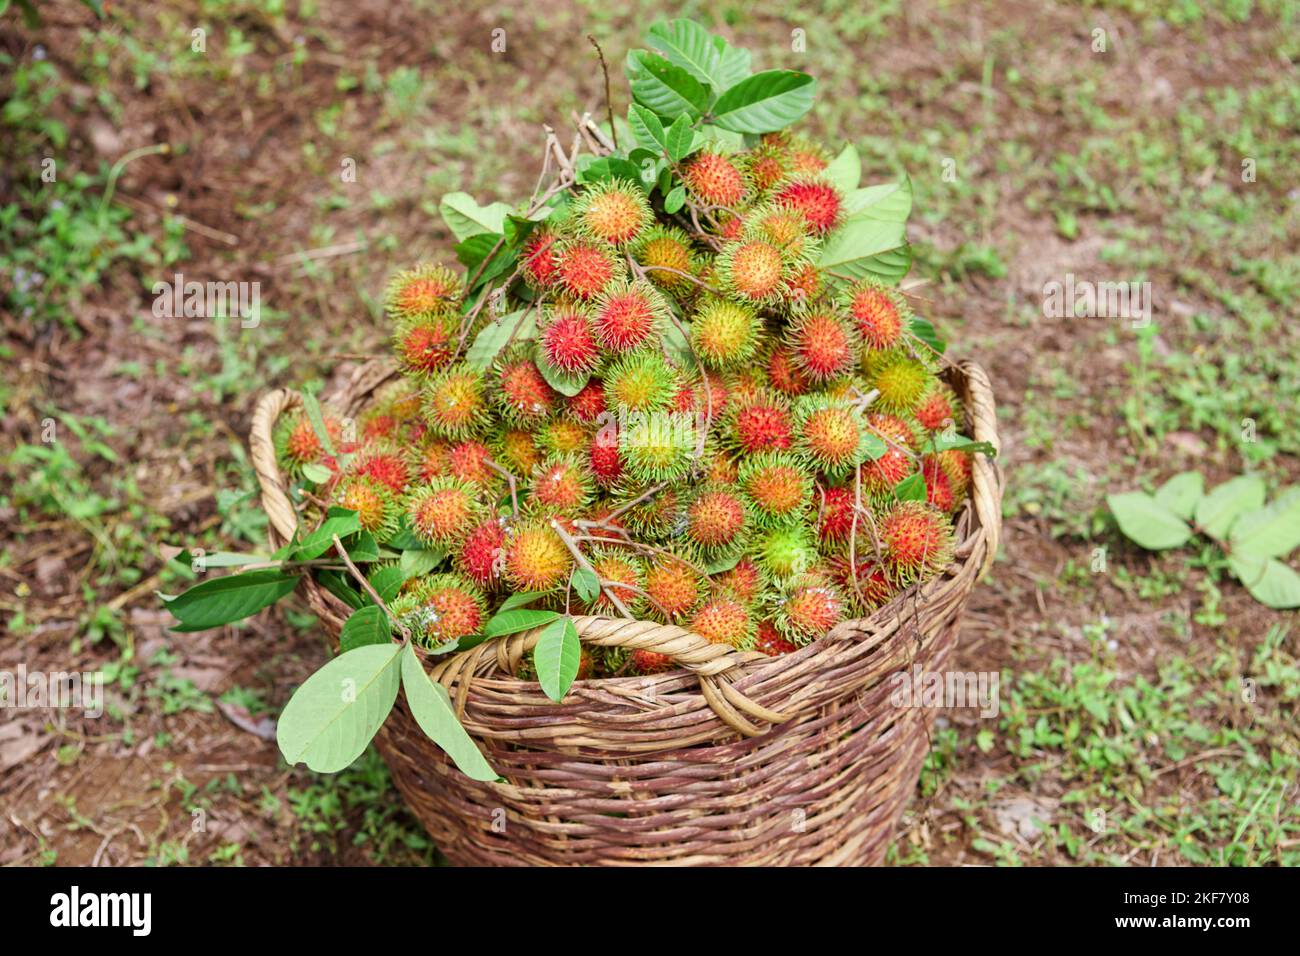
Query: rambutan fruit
point(515, 449)
point(806, 157)
point(379, 426)
point(568, 340)
point(901, 379)
point(454, 403)
point(561, 485)
point(613, 211)
point(823, 345)
point(917, 539)
point(447, 607)
point(817, 200)
point(784, 372)
point(938, 489)
point(658, 446)
point(745, 579)
point(537, 260)
point(424, 344)
point(624, 574)
point(666, 255)
point(646, 663)
point(588, 405)
point(662, 516)
point(756, 422)
point(715, 179)
point(673, 588)
point(769, 641)
point(297, 443)
point(785, 228)
point(375, 504)
point(786, 550)
point(877, 311)
point(443, 511)
point(958, 466)
point(830, 434)
point(834, 516)
point(778, 488)
point(719, 468)
point(752, 270)
point(535, 557)
point(765, 166)
point(724, 333)
point(629, 315)
point(522, 394)
point(425, 290)
point(873, 590)
point(939, 409)
point(430, 458)
point(717, 522)
point(586, 268)
point(564, 436)
point(881, 476)
point(730, 227)
point(604, 459)
point(806, 607)
point(467, 461)
point(385, 465)
point(802, 287)
point(723, 619)
point(480, 555)
point(640, 382)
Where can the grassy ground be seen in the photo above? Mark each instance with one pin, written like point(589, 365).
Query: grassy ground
point(1148, 709)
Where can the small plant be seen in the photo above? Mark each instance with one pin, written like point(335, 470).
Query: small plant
point(1253, 536)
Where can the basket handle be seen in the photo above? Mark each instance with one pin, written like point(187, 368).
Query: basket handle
point(706, 660)
point(986, 483)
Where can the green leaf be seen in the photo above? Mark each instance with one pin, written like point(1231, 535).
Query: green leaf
point(473, 251)
point(647, 128)
point(873, 242)
point(431, 707)
point(719, 565)
point(514, 621)
point(465, 217)
point(706, 57)
point(230, 598)
point(1269, 581)
point(1216, 512)
point(679, 140)
point(316, 474)
point(493, 337)
point(606, 168)
point(519, 600)
point(924, 330)
point(556, 657)
point(1146, 523)
point(911, 488)
point(341, 586)
point(1181, 493)
point(845, 169)
point(1272, 531)
point(943, 441)
point(675, 199)
point(367, 625)
point(312, 408)
point(891, 202)
point(562, 382)
point(335, 713)
point(362, 547)
point(338, 521)
point(229, 559)
point(585, 583)
point(404, 538)
point(765, 101)
point(875, 446)
point(416, 562)
point(387, 581)
point(667, 89)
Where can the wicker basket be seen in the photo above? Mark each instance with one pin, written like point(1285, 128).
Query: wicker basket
point(736, 758)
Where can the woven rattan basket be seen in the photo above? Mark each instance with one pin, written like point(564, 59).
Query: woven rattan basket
point(736, 758)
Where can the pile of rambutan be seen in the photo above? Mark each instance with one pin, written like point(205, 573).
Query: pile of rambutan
point(662, 385)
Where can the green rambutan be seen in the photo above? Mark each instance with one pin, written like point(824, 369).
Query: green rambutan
point(666, 255)
point(878, 312)
point(515, 449)
point(521, 392)
point(806, 157)
point(658, 446)
point(568, 340)
point(823, 345)
point(901, 380)
point(425, 343)
point(830, 434)
point(723, 619)
point(640, 382)
point(454, 404)
point(443, 511)
point(724, 333)
point(715, 179)
point(585, 267)
point(758, 421)
point(480, 555)
point(425, 290)
point(564, 436)
point(917, 539)
point(375, 504)
point(717, 522)
point(779, 489)
point(785, 550)
point(752, 270)
point(613, 211)
point(818, 201)
point(561, 485)
point(806, 607)
point(629, 315)
point(535, 557)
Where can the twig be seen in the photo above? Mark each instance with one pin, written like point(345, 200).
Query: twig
point(509, 477)
point(609, 103)
point(624, 509)
point(342, 552)
point(586, 565)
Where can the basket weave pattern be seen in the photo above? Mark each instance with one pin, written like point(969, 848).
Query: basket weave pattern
point(736, 758)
